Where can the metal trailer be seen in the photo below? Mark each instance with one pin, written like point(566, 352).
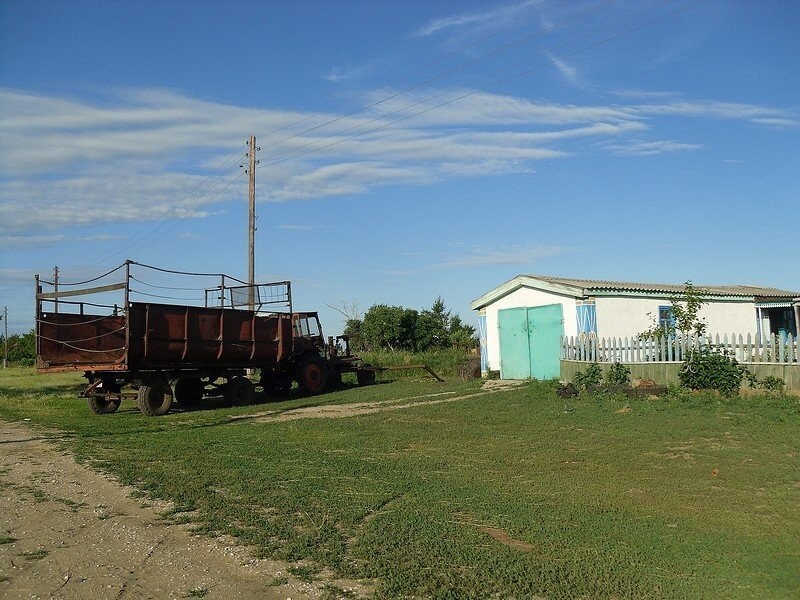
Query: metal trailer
point(179, 352)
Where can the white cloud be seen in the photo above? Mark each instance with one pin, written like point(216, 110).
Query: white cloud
point(569, 72)
point(155, 155)
point(498, 16)
point(651, 148)
point(299, 227)
point(347, 73)
point(515, 255)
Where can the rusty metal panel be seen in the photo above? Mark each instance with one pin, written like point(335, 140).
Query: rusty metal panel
point(167, 336)
point(77, 341)
point(163, 336)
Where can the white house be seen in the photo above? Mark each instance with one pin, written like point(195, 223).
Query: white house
point(521, 321)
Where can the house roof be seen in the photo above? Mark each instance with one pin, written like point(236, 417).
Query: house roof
point(580, 288)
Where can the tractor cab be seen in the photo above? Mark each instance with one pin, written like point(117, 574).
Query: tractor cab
point(307, 333)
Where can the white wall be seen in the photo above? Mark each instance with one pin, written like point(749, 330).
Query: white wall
point(626, 316)
point(525, 297)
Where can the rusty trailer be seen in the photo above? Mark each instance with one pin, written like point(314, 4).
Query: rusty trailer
point(166, 352)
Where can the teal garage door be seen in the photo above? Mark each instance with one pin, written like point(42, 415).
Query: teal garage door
point(530, 341)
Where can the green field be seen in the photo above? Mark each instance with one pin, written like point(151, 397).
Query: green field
point(509, 494)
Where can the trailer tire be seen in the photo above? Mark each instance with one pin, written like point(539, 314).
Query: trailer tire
point(313, 375)
point(189, 392)
point(239, 391)
point(100, 406)
point(365, 377)
point(154, 401)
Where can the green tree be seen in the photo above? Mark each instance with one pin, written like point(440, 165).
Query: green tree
point(21, 347)
point(462, 336)
point(389, 327)
point(685, 311)
point(433, 327)
point(353, 329)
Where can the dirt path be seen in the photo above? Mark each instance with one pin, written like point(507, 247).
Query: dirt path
point(338, 411)
point(70, 532)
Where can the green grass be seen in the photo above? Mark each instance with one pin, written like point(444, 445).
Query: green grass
point(512, 494)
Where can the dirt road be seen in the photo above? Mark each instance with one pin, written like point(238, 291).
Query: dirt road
point(67, 531)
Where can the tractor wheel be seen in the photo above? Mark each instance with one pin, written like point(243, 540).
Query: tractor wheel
point(239, 391)
point(100, 406)
point(154, 401)
point(189, 392)
point(313, 375)
point(365, 377)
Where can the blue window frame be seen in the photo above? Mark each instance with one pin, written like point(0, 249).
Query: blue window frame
point(666, 318)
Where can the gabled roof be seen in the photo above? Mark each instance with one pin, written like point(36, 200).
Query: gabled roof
point(580, 288)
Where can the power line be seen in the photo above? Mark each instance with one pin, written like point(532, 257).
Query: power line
point(444, 74)
point(174, 209)
point(484, 88)
point(429, 63)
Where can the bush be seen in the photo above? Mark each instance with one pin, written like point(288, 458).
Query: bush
point(592, 376)
point(618, 374)
point(708, 369)
point(771, 383)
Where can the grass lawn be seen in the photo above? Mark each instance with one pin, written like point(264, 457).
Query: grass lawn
point(508, 494)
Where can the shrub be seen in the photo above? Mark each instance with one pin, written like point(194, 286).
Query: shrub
point(708, 369)
point(771, 383)
point(618, 374)
point(592, 376)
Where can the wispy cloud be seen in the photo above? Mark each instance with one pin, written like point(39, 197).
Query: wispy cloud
point(347, 73)
point(497, 16)
point(651, 148)
point(514, 255)
point(568, 71)
point(26, 241)
point(299, 227)
point(155, 155)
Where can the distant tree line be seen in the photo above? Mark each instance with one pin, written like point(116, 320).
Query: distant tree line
point(387, 327)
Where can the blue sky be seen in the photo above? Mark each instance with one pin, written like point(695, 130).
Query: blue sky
point(408, 149)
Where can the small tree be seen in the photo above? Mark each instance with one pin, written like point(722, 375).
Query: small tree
point(685, 309)
point(462, 336)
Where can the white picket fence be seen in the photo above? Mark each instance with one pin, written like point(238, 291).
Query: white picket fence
point(746, 349)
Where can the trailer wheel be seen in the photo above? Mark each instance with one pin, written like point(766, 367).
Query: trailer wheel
point(365, 377)
point(313, 375)
point(100, 406)
point(240, 391)
point(189, 391)
point(154, 401)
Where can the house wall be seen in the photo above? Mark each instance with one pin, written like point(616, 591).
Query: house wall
point(624, 316)
point(524, 297)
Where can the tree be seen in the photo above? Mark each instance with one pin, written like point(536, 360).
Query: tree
point(21, 347)
point(685, 310)
point(462, 336)
point(353, 329)
point(433, 327)
point(389, 327)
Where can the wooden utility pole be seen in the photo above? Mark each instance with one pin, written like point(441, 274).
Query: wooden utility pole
point(5, 337)
point(55, 289)
point(251, 230)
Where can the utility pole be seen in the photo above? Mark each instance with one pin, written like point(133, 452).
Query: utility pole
point(5, 337)
point(55, 289)
point(251, 230)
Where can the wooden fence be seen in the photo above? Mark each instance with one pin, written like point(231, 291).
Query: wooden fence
point(745, 349)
